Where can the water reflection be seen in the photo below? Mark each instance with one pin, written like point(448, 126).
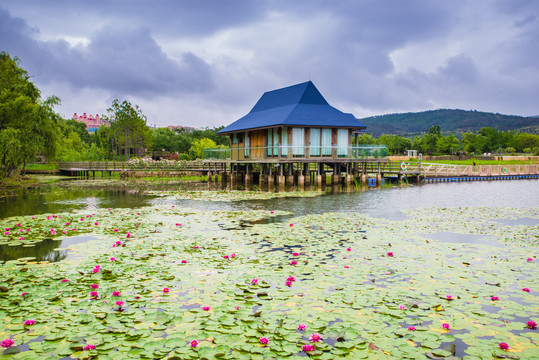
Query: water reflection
point(44, 250)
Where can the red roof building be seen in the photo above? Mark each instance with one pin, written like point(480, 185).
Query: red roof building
point(92, 123)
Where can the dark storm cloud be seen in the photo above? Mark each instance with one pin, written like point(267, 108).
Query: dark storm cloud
point(374, 55)
point(165, 17)
point(125, 61)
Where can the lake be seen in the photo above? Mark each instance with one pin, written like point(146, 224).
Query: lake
point(435, 270)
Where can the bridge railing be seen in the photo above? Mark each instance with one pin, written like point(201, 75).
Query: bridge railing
point(142, 165)
point(437, 170)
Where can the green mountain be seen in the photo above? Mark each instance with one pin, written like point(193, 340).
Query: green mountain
point(450, 121)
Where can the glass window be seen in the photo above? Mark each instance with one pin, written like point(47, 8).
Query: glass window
point(298, 141)
point(326, 142)
point(315, 142)
point(342, 142)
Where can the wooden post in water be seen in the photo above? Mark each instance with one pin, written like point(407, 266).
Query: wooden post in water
point(301, 177)
point(290, 177)
point(271, 179)
point(248, 177)
point(307, 174)
point(281, 178)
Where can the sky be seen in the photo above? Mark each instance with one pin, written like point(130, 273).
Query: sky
point(206, 63)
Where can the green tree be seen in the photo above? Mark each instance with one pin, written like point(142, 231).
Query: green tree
point(447, 144)
point(164, 139)
point(27, 123)
point(129, 133)
point(199, 144)
point(395, 144)
point(522, 141)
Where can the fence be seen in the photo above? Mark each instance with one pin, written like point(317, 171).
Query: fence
point(297, 152)
point(438, 170)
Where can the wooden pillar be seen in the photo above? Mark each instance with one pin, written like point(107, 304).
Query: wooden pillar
point(301, 177)
point(223, 179)
point(290, 177)
point(271, 179)
point(378, 179)
point(248, 177)
point(281, 178)
point(306, 174)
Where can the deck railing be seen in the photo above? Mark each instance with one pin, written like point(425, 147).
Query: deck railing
point(296, 152)
point(445, 170)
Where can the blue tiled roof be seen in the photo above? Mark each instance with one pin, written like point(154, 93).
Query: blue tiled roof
point(300, 104)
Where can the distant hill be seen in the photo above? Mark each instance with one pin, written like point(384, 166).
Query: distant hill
point(450, 121)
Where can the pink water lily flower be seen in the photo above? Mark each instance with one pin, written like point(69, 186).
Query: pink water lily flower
point(290, 278)
point(166, 290)
point(449, 297)
point(494, 298)
point(206, 308)
point(128, 235)
point(24, 294)
point(295, 254)
point(94, 286)
point(21, 238)
point(184, 261)
point(7, 343)
point(390, 254)
point(348, 249)
point(89, 347)
point(315, 337)
point(96, 223)
point(196, 247)
point(112, 258)
point(293, 262)
point(29, 322)
point(116, 293)
point(178, 224)
point(94, 294)
point(411, 328)
point(193, 343)
point(526, 289)
point(233, 255)
point(302, 327)
point(503, 346)
point(115, 230)
point(264, 340)
point(226, 257)
point(531, 325)
point(446, 326)
point(6, 233)
point(402, 307)
point(291, 224)
point(308, 347)
point(529, 260)
point(65, 280)
point(288, 283)
point(119, 303)
point(346, 267)
point(254, 281)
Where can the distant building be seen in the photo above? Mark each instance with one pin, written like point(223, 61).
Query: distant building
point(92, 123)
point(179, 127)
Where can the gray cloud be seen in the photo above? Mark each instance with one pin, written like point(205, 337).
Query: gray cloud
point(210, 61)
point(124, 61)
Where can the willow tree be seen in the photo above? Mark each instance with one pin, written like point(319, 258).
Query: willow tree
point(28, 124)
point(129, 133)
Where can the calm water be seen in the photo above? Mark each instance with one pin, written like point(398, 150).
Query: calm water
point(66, 196)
